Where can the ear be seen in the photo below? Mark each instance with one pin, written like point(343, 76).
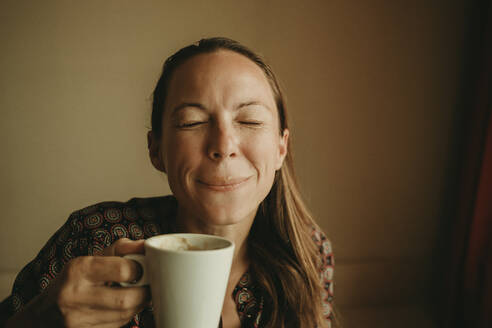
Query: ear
point(155, 152)
point(282, 148)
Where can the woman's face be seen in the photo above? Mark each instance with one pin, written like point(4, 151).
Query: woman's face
point(221, 142)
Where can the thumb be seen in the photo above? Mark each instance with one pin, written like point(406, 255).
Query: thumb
point(125, 246)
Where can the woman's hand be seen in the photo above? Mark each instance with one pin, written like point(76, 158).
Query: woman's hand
point(81, 296)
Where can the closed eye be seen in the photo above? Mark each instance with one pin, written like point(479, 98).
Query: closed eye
point(190, 124)
point(251, 122)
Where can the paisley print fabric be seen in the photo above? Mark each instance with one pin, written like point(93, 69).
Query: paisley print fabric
point(90, 230)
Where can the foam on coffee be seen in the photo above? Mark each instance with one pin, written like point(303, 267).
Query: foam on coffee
point(178, 244)
point(191, 242)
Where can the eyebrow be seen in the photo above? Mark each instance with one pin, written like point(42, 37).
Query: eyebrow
point(187, 104)
point(250, 103)
point(202, 107)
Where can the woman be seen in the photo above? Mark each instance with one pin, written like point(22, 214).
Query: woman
point(219, 132)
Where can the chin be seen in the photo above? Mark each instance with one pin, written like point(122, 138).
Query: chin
point(226, 214)
point(220, 208)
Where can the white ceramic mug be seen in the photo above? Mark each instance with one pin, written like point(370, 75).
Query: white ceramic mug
point(188, 275)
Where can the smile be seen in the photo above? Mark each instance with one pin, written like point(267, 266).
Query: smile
point(224, 185)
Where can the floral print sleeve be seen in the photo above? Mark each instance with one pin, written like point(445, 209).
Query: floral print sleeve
point(326, 272)
point(36, 276)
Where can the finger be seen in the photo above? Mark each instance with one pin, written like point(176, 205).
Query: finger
point(125, 246)
point(100, 318)
point(116, 299)
point(101, 269)
point(112, 324)
point(114, 318)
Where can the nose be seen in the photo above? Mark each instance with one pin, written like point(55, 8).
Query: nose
point(222, 143)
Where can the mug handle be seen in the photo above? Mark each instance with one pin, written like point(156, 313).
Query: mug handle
point(140, 259)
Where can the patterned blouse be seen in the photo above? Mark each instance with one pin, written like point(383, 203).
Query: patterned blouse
point(90, 230)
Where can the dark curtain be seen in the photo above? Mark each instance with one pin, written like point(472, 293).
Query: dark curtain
point(467, 294)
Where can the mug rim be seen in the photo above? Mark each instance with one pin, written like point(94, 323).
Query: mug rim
point(148, 243)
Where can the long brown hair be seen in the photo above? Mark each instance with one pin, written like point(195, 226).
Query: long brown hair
point(280, 243)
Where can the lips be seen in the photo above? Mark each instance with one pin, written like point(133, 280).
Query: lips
point(221, 184)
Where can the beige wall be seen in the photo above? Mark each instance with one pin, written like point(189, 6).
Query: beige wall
point(372, 88)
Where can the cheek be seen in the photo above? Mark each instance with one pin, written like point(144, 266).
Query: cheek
point(181, 153)
point(262, 151)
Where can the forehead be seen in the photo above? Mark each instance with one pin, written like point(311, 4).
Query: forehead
point(224, 76)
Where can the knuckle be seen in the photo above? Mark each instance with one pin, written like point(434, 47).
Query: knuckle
point(68, 295)
point(77, 266)
point(120, 241)
point(123, 303)
point(123, 271)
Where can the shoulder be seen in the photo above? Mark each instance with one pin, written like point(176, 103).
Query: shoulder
point(133, 209)
point(138, 218)
point(143, 206)
point(323, 244)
